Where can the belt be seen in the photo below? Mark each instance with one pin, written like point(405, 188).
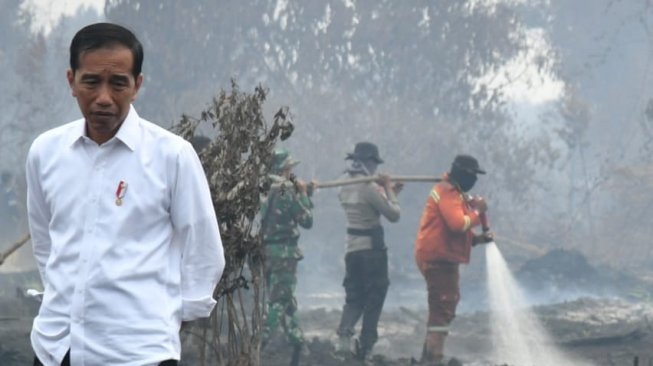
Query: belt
point(375, 233)
point(362, 232)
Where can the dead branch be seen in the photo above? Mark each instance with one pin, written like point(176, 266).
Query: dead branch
point(14, 247)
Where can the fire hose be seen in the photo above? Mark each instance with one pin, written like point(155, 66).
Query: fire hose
point(482, 216)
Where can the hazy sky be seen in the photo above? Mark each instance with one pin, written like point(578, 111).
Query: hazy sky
point(525, 84)
point(47, 12)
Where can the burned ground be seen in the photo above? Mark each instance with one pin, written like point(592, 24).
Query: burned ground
point(611, 326)
point(603, 331)
point(606, 331)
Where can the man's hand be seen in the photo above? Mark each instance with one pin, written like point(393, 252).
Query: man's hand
point(385, 181)
point(311, 186)
point(301, 186)
point(484, 238)
point(397, 187)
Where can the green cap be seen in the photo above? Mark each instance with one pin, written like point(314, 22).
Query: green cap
point(281, 160)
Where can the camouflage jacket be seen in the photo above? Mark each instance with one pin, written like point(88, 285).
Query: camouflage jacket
point(283, 209)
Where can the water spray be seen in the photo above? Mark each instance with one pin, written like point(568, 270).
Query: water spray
point(517, 334)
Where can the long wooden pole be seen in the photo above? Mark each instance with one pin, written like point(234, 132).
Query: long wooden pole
point(14, 247)
point(345, 182)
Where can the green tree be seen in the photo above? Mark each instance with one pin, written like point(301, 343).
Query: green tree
point(408, 75)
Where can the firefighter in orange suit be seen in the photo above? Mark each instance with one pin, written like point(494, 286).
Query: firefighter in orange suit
point(444, 240)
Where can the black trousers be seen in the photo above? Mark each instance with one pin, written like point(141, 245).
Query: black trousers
point(66, 361)
point(366, 285)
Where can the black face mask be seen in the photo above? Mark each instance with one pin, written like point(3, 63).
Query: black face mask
point(371, 166)
point(464, 179)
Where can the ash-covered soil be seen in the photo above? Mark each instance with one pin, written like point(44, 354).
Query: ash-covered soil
point(611, 325)
point(601, 331)
point(606, 331)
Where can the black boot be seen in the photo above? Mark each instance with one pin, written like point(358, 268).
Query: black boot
point(296, 353)
point(360, 350)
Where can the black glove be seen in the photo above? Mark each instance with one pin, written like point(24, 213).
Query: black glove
point(484, 238)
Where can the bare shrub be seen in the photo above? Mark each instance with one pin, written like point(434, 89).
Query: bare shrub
point(236, 162)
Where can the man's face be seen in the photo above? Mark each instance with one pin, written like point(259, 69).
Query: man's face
point(104, 87)
point(370, 165)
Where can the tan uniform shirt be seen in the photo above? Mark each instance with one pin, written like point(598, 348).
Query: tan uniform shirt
point(364, 204)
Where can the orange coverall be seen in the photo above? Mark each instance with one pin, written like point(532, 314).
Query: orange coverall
point(444, 240)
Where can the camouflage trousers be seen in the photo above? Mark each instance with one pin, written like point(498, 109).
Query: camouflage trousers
point(281, 276)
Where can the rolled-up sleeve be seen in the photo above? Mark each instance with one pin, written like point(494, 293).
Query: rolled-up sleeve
point(38, 213)
point(196, 229)
point(388, 206)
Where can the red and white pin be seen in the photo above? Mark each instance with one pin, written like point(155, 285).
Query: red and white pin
point(120, 192)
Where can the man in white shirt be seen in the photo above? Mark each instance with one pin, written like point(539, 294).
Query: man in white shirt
point(122, 223)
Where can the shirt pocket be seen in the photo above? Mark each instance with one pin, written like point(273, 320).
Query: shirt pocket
point(138, 201)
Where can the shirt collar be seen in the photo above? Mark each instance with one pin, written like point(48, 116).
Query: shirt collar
point(78, 131)
point(127, 132)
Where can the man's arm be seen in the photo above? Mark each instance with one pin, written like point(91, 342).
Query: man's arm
point(196, 228)
point(302, 207)
point(38, 213)
point(386, 203)
point(452, 208)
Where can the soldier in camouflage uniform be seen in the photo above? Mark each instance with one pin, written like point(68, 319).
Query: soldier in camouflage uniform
point(286, 207)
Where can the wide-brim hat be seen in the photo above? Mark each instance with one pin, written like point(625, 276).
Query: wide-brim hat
point(365, 151)
point(467, 163)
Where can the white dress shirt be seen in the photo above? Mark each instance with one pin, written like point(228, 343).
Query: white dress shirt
point(119, 274)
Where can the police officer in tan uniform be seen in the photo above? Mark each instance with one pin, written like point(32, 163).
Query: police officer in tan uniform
point(366, 278)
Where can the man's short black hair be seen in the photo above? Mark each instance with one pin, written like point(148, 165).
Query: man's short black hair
point(100, 35)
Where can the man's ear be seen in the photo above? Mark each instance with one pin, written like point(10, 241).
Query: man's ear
point(70, 75)
point(137, 86)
